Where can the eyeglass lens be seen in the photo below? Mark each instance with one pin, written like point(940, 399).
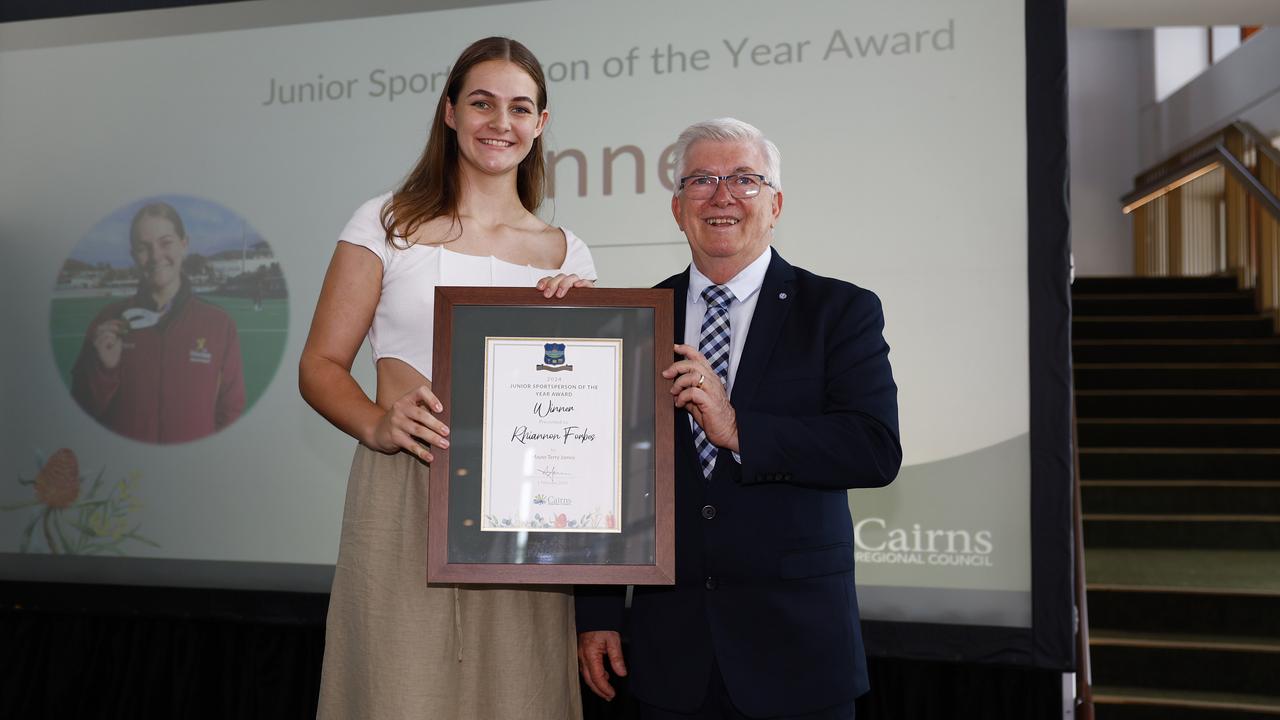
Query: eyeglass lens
point(700, 187)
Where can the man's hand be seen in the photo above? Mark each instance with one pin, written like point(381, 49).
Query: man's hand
point(698, 389)
point(593, 646)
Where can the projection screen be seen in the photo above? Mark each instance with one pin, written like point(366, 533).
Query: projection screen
point(903, 131)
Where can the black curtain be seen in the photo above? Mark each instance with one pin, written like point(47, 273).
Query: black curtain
point(89, 651)
point(94, 651)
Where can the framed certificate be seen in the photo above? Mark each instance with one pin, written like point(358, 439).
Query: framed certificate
point(559, 468)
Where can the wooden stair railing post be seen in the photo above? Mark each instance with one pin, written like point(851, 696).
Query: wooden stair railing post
point(1141, 242)
point(1237, 220)
point(1175, 237)
point(1180, 230)
point(1269, 244)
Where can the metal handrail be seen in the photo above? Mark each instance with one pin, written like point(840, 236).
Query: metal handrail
point(1172, 166)
point(1084, 664)
point(1190, 169)
point(1248, 244)
point(1260, 141)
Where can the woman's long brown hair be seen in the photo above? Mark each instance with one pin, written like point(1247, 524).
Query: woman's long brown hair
point(432, 189)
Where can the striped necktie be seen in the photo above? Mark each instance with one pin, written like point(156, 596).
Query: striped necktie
point(714, 346)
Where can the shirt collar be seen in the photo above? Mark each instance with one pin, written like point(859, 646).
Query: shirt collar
point(746, 283)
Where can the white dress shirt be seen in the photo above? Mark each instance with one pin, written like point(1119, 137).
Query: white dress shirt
point(745, 287)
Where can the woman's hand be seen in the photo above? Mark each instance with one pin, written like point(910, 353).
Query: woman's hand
point(410, 423)
point(107, 341)
point(558, 285)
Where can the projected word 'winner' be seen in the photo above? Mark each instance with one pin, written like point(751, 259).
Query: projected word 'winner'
point(552, 433)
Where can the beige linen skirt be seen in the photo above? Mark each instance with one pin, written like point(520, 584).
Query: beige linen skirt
point(396, 647)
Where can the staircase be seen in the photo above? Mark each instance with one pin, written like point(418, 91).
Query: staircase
point(1178, 398)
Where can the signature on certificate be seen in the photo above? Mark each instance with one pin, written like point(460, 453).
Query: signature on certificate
point(552, 474)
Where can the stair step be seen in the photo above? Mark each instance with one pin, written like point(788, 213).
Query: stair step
point(1177, 386)
point(1198, 432)
point(1219, 532)
point(1220, 614)
point(1179, 463)
point(1183, 641)
point(1186, 517)
point(1178, 668)
point(1255, 325)
point(1266, 349)
point(1098, 376)
point(1171, 497)
point(1118, 284)
point(1138, 703)
point(1178, 403)
point(1254, 573)
point(1240, 302)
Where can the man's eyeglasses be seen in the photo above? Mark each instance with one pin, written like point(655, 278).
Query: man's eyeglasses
point(741, 185)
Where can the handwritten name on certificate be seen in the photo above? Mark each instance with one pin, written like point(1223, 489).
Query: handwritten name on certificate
point(552, 435)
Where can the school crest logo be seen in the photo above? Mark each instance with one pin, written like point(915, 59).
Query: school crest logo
point(553, 358)
point(199, 353)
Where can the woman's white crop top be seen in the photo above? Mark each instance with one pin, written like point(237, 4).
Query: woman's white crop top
point(402, 322)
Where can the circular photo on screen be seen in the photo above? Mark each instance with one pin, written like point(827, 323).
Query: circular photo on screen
point(169, 319)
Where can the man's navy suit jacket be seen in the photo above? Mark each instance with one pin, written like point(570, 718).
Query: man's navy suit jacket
point(764, 549)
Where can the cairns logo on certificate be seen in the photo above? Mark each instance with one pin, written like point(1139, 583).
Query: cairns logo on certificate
point(552, 435)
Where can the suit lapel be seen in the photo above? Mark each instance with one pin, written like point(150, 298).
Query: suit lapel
point(772, 308)
point(679, 285)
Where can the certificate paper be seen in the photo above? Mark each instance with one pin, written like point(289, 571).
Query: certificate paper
point(552, 435)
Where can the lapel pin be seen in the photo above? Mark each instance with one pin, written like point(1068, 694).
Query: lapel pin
point(782, 296)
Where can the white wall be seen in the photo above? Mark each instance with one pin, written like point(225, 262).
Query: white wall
point(1118, 129)
point(1106, 72)
point(1226, 40)
point(1245, 85)
point(1182, 53)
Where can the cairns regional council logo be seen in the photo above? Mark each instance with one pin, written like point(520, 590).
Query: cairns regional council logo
point(878, 544)
point(199, 353)
point(551, 500)
point(553, 359)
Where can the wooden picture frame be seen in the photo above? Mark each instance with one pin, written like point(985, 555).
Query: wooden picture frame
point(634, 544)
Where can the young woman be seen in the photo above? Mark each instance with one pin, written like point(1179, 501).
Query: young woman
point(162, 366)
point(396, 647)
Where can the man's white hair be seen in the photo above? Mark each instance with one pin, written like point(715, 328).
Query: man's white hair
point(730, 130)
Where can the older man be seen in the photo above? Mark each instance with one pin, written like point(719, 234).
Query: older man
point(785, 400)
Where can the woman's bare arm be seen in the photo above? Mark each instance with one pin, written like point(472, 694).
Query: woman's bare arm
point(344, 312)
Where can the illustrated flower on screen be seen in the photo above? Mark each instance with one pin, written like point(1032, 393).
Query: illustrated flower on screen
point(609, 521)
point(562, 520)
point(58, 482)
point(73, 521)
